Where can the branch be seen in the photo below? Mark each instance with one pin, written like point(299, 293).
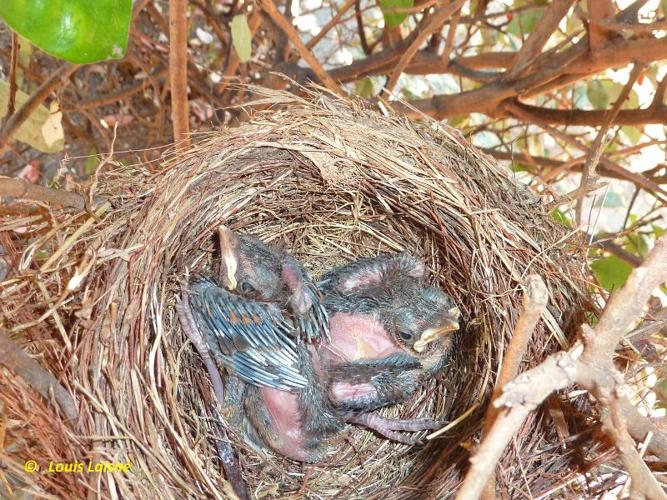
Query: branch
point(178, 71)
point(593, 370)
point(589, 176)
point(575, 60)
point(434, 23)
point(12, 125)
point(22, 189)
point(598, 10)
point(14, 358)
point(13, 65)
point(533, 46)
point(626, 305)
point(269, 7)
point(534, 302)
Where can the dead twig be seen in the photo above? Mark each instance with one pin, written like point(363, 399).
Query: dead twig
point(12, 125)
point(534, 302)
point(434, 23)
point(589, 176)
point(589, 365)
point(270, 8)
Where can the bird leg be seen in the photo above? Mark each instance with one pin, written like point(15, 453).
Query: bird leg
point(190, 328)
point(226, 453)
point(387, 427)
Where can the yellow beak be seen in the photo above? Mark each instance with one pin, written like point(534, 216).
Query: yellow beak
point(228, 257)
point(431, 334)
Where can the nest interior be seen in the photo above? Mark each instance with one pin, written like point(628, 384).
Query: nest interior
point(92, 296)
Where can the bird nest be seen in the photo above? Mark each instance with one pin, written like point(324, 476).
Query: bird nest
point(91, 297)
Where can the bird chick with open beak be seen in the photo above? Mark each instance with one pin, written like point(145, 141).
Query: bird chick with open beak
point(272, 391)
point(388, 335)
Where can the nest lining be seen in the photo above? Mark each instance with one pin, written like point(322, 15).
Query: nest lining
point(330, 181)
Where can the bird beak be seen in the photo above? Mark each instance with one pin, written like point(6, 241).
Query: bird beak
point(449, 324)
point(228, 255)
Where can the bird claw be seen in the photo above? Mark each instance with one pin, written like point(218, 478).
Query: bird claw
point(389, 428)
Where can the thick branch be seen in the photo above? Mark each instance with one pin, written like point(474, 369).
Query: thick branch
point(19, 188)
point(14, 358)
point(178, 71)
point(533, 46)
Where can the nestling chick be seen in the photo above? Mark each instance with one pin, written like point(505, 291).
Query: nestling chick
point(271, 373)
point(388, 335)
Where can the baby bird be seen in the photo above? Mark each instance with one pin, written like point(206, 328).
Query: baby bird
point(273, 391)
point(388, 335)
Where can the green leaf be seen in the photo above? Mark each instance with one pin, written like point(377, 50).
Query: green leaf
point(658, 231)
point(31, 132)
point(597, 94)
point(364, 88)
point(241, 37)
point(611, 200)
point(524, 22)
point(80, 31)
point(561, 218)
point(611, 272)
point(392, 11)
point(636, 244)
point(633, 134)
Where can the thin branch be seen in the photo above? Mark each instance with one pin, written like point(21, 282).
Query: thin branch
point(13, 65)
point(434, 23)
point(12, 125)
point(178, 71)
point(269, 7)
point(589, 175)
point(360, 27)
point(332, 22)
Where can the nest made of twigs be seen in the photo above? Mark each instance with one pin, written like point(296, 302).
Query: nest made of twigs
point(330, 181)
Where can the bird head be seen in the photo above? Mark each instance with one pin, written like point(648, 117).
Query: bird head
point(248, 267)
point(423, 319)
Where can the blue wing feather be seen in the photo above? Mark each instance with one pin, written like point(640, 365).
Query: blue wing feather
point(252, 339)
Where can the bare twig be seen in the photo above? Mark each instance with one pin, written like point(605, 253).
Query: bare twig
point(589, 176)
point(14, 358)
point(13, 65)
point(12, 125)
point(534, 302)
point(589, 365)
point(178, 71)
point(270, 8)
point(434, 23)
point(332, 22)
point(643, 483)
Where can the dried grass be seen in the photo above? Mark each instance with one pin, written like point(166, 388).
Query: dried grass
point(330, 181)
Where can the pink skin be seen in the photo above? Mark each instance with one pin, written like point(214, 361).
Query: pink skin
point(353, 338)
point(284, 411)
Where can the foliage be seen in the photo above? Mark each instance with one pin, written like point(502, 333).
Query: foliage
point(79, 31)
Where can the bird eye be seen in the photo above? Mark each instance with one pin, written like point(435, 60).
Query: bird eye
point(246, 287)
point(405, 335)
